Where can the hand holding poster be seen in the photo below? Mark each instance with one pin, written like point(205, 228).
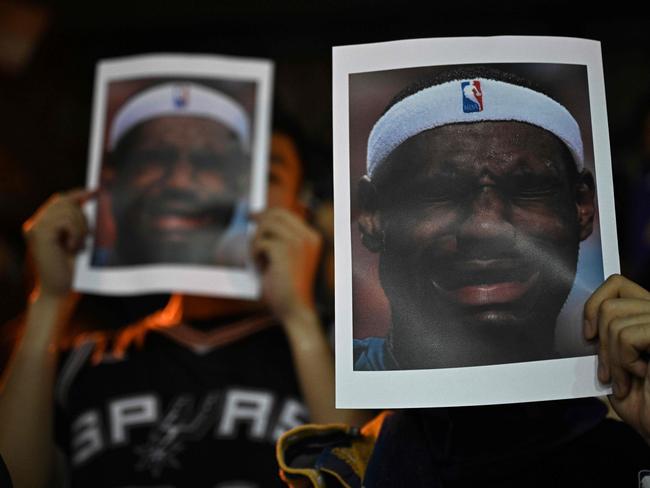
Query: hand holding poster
point(470, 167)
point(179, 154)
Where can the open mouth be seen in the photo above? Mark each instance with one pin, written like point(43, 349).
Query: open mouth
point(172, 222)
point(184, 218)
point(483, 283)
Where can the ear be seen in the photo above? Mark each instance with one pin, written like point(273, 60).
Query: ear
point(372, 233)
point(585, 203)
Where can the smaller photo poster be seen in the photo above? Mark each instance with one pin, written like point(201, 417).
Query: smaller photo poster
point(178, 156)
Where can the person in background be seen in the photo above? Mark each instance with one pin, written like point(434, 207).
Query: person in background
point(193, 395)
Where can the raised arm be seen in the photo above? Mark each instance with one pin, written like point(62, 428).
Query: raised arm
point(288, 251)
point(54, 235)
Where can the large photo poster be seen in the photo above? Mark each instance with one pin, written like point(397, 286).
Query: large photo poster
point(178, 155)
point(474, 217)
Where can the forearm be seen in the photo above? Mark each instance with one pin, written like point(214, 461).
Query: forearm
point(314, 363)
point(26, 394)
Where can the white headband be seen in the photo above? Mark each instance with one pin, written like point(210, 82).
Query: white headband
point(180, 99)
point(470, 101)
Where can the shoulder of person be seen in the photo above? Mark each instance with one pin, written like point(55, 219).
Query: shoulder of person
point(369, 354)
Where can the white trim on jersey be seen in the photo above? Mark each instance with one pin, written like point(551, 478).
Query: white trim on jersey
point(201, 342)
point(78, 356)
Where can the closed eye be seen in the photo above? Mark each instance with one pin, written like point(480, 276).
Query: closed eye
point(439, 189)
point(532, 186)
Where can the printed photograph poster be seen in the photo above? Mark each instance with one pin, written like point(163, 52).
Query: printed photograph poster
point(178, 154)
point(474, 217)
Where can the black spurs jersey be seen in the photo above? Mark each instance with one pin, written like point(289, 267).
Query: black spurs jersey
point(186, 408)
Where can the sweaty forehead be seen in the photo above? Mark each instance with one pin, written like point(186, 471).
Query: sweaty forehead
point(466, 148)
point(183, 131)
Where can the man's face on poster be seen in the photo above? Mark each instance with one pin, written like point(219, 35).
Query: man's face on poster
point(478, 227)
point(177, 182)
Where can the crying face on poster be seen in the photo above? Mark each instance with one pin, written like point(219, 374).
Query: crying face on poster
point(476, 199)
point(180, 165)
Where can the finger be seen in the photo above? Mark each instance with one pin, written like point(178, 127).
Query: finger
point(607, 290)
point(277, 216)
point(611, 309)
point(268, 251)
point(80, 195)
point(634, 344)
point(616, 286)
point(277, 231)
point(285, 218)
point(70, 221)
point(626, 334)
point(74, 214)
point(280, 226)
point(267, 246)
point(70, 234)
point(295, 228)
point(617, 374)
point(75, 208)
point(56, 232)
point(625, 407)
point(81, 227)
point(264, 254)
point(603, 323)
point(635, 408)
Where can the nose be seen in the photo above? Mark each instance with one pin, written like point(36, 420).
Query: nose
point(180, 174)
point(487, 230)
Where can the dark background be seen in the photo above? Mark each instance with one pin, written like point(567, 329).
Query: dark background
point(48, 51)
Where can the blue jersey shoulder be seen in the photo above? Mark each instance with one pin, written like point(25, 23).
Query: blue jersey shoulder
point(370, 354)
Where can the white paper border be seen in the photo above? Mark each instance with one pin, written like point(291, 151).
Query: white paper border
point(494, 384)
point(203, 280)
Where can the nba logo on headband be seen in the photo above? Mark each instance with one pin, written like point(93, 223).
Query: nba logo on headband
point(181, 96)
point(472, 96)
